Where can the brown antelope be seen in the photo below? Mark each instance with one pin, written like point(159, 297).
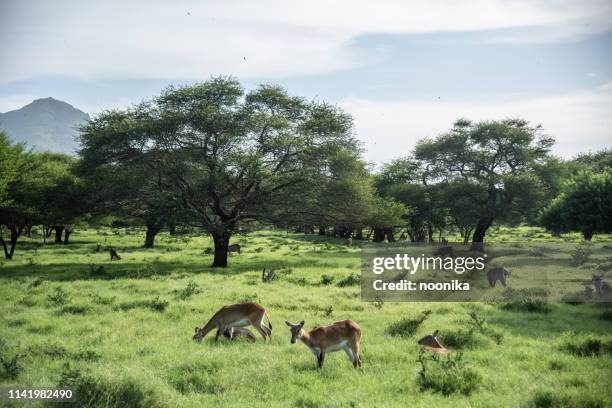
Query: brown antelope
point(431, 343)
point(238, 315)
point(344, 335)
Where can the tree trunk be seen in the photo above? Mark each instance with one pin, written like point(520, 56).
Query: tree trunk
point(587, 235)
point(479, 233)
point(221, 241)
point(59, 230)
point(379, 235)
point(152, 231)
point(359, 234)
point(67, 233)
point(172, 228)
point(9, 250)
point(321, 230)
point(389, 234)
point(430, 233)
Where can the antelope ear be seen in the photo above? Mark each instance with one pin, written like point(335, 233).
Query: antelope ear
point(288, 323)
point(435, 334)
point(302, 323)
point(196, 329)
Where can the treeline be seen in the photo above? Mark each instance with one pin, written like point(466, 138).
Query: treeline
point(213, 156)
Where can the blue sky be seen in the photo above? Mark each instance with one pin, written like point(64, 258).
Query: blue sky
point(405, 70)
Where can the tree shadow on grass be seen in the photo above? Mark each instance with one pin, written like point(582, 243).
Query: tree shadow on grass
point(65, 272)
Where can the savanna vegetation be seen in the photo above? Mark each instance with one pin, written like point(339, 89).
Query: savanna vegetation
point(171, 183)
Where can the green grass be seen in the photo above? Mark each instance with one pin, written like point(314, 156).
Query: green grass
point(120, 332)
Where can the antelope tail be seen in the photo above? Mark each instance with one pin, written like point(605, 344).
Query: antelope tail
point(269, 321)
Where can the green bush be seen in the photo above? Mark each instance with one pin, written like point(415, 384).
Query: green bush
point(531, 305)
point(93, 392)
point(59, 297)
point(326, 280)
point(156, 304)
point(351, 280)
point(191, 289)
point(590, 346)
point(550, 399)
point(408, 326)
point(447, 375)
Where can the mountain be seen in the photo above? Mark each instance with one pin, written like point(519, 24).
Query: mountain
point(45, 124)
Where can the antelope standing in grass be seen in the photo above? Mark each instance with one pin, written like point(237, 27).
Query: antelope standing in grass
point(238, 315)
point(344, 335)
point(602, 288)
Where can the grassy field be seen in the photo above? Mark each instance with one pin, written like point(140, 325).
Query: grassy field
point(120, 332)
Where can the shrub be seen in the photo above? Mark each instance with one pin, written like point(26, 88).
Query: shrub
point(590, 346)
point(86, 355)
point(150, 270)
point(37, 282)
point(96, 392)
point(408, 326)
point(196, 378)
point(191, 289)
point(446, 375)
point(326, 280)
point(480, 324)
point(59, 297)
point(351, 280)
point(557, 365)
point(96, 270)
point(75, 309)
point(10, 362)
point(606, 315)
point(328, 311)
point(460, 339)
point(554, 399)
point(156, 304)
point(578, 298)
point(524, 301)
point(581, 254)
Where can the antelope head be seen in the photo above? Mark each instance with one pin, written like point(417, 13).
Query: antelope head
point(296, 330)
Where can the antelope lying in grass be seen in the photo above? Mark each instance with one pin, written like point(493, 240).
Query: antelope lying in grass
point(344, 335)
point(233, 333)
point(431, 343)
point(238, 315)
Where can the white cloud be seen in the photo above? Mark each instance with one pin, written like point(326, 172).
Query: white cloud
point(265, 38)
point(579, 121)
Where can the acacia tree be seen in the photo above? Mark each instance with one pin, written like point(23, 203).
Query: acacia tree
point(228, 156)
point(499, 156)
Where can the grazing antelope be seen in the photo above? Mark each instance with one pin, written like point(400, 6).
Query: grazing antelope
point(431, 343)
point(344, 335)
point(232, 333)
point(238, 315)
point(349, 242)
point(234, 248)
point(497, 274)
point(602, 288)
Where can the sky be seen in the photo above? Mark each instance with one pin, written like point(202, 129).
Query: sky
point(405, 70)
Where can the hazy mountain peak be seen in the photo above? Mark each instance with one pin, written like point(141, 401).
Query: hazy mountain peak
point(45, 124)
